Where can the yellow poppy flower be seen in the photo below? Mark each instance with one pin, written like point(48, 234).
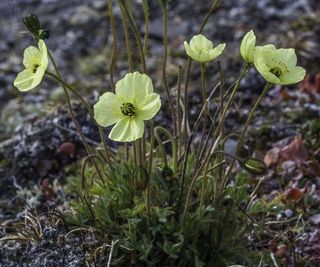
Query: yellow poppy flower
point(132, 104)
point(278, 66)
point(201, 49)
point(35, 61)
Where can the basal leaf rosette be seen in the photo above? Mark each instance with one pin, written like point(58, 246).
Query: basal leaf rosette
point(35, 61)
point(201, 49)
point(133, 103)
point(247, 47)
point(278, 66)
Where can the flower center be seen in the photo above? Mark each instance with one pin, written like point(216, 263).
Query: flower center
point(128, 109)
point(276, 71)
point(35, 67)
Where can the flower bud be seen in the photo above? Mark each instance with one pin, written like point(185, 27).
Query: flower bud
point(247, 47)
point(32, 23)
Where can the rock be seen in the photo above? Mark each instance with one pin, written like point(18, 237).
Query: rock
point(83, 15)
point(315, 219)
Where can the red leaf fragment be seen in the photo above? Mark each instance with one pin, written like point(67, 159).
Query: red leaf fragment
point(293, 194)
point(66, 148)
point(293, 150)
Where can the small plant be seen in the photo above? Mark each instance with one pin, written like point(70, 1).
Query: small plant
point(163, 199)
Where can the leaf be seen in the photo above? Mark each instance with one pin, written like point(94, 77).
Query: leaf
point(272, 157)
point(296, 151)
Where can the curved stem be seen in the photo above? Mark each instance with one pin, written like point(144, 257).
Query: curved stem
point(214, 4)
point(173, 143)
point(73, 117)
point(193, 181)
point(230, 100)
point(89, 109)
point(84, 165)
point(187, 149)
point(244, 130)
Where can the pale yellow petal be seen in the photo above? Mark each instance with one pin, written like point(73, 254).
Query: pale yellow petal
point(200, 42)
point(295, 75)
point(150, 107)
point(44, 54)
point(127, 129)
point(31, 56)
point(247, 46)
point(24, 80)
point(134, 87)
point(107, 110)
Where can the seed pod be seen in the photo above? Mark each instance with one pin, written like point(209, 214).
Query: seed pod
point(254, 166)
point(166, 172)
point(140, 178)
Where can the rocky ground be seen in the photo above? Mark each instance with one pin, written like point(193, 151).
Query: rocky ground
point(38, 141)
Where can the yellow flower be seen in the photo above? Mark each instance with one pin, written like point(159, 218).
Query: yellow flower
point(201, 49)
point(35, 61)
point(132, 104)
point(247, 47)
point(278, 66)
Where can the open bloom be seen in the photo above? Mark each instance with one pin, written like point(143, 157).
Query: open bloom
point(278, 66)
point(247, 47)
point(35, 61)
point(201, 49)
point(132, 104)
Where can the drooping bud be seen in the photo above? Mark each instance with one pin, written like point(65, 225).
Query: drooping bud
point(32, 23)
point(247, 47)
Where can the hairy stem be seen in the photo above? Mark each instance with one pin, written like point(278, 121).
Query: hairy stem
point(73, 117)
point(114, 46)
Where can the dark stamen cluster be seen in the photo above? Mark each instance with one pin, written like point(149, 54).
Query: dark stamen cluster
point(128, 109)
point(276, 71)
point(35, 67)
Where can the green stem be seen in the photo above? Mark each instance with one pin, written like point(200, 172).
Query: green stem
point(187, 150)
point(159, 129)
point(213, 7)
point(244, 130)
point(149, 172)
point(192, 184)
point(73, 117)
point(127, 36)
point(230, 100)
point(114, 46)
point(88, 108)
point(164, 66)
point(146, 31)
point(214, 4)
point(203, 92)
point(136, 35)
